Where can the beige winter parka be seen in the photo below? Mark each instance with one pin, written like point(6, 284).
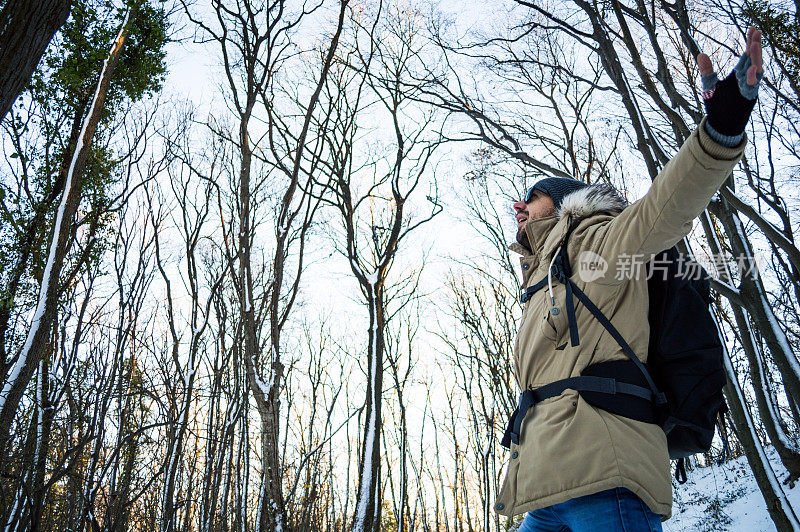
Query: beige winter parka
point(568, 448)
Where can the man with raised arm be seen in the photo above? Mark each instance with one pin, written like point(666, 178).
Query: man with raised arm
point(574, 467)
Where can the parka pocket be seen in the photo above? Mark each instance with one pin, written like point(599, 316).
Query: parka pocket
point(553, 326)
point(548, 326)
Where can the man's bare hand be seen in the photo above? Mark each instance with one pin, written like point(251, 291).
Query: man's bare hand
point(754, 52)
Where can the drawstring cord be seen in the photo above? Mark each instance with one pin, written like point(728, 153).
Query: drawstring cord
point(550, 280)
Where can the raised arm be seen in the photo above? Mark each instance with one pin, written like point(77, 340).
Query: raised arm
point(685, 186)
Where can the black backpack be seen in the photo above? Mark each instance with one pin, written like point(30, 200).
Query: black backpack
point(680, 387)
point(685, 355)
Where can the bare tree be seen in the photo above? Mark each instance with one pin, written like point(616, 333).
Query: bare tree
point(193, 191)
point(374, 214)
point(253, 38)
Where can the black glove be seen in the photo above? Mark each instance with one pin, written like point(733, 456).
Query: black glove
point(729, 102)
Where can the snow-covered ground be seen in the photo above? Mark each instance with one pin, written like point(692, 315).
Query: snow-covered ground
point(725, 497)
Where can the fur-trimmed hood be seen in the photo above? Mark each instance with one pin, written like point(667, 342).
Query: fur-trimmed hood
point(591, 199)
point(576, 205)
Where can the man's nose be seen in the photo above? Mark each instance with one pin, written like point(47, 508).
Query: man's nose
point(519, 206)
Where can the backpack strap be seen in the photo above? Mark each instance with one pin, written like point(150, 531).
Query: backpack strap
point(526, 401)
point(527, 293)
point(562, 271)
point(584, 383)
point(587, 383)
point(660, 398)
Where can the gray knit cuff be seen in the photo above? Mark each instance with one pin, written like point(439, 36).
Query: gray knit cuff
point(709, 82)
point(729, 141)
point(748, 91)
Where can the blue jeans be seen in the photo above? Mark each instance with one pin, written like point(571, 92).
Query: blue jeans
point(612, 510)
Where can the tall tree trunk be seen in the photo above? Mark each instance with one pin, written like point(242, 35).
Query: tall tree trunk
point(26, 511)
point(367, 516)
point(402, 525)
point(754, 299)
point(27, 241)
point(45, 310)
point(43, 421)
point(270, 510)
point(26, 28)
point(778, 506)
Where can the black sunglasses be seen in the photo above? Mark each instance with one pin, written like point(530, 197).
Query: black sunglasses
point(529, 195)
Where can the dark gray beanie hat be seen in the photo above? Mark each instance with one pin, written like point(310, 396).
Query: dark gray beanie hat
point(557, 188)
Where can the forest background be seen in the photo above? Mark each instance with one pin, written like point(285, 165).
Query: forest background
point(254, 271)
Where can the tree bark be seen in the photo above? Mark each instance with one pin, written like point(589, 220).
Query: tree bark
point(26, 28)
point(755, 298)
point(367, 517)
point(30, 237)
point(767, 407)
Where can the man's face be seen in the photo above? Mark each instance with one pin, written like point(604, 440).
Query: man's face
point(540, 206)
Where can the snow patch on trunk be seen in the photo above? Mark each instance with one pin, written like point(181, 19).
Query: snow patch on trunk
point(369, 442)
point(59, 227)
